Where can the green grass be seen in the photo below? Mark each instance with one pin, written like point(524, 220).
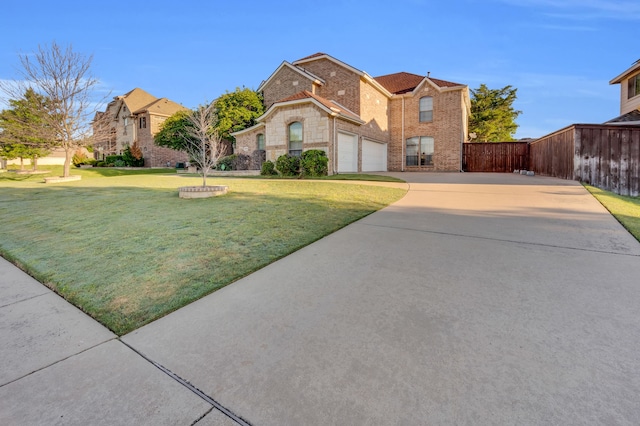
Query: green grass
point(625, 209)
point(127, 250)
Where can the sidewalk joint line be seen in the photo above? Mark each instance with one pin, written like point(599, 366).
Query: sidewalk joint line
point(25, 299)
point(477, 237)
point(191, 387)
point(58, 361)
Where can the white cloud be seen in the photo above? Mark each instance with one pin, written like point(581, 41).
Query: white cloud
point(583, 9)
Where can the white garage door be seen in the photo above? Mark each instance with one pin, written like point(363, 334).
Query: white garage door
point(347, 153)
point(374, 156)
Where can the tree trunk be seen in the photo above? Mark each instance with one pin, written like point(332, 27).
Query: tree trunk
point(35, 163)
point(68, 153)
point(21, 163)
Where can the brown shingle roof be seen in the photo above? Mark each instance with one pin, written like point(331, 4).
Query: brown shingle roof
point(633, 116)
point(403, 82)
point(162, 106)
point(136, 99)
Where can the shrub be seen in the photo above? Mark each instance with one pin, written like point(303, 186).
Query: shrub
point(111, 159)
point(314, 163)
point(288, 165)
point(78, 158)
point(268, 169)
point(226, 163)
point(100, 164)
point(241, 162)
point(89, 162)
point(119, 163)
point(132, 156)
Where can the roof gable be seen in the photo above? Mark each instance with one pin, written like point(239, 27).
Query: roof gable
point(304, 73)
point(330, 107)
point(404, 82)
point(627, 73)
point(319, 55)
point(136, 99)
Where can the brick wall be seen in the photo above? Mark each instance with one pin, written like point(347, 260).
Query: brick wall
point(341, 85)
point(283, 84)
point(156, 156)
point(446, 128)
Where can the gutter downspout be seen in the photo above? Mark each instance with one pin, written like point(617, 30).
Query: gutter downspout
point(403, 158)
point(335, 171)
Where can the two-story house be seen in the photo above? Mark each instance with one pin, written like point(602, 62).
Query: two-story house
point(136, 117)
point(629, 82)
point(395, 122)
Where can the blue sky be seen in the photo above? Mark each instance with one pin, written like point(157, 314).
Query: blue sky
point(559, 54)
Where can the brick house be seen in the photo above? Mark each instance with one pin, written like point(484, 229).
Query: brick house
point(395, 122)
point(135, 116)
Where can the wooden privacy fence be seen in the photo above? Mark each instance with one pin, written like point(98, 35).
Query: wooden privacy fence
point(605, 156)
point(499, 157)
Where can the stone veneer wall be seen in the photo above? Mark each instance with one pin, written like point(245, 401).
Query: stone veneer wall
point(315, 129)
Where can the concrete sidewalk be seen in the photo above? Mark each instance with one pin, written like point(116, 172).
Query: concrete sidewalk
point(476, 299)
point(60, 367)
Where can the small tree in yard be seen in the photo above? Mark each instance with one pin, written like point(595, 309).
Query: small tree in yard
point(63, 77)
point(201, 139)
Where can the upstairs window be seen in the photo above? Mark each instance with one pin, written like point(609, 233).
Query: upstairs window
point(426, 109)
point(143, 122)
point(295, 139)
point(634, 86)
point(260, 141)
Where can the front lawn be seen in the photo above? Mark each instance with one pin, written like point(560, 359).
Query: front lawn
point(625, 209)
point(127, 250)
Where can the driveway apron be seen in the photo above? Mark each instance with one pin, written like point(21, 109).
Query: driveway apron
point(476, 299)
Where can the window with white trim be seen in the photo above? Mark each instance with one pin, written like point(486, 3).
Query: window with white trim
point(295, 139)
point(260, 141)
point(426, 109)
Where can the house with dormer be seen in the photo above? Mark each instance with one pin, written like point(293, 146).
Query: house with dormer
point(136, 117)
point(395, 122)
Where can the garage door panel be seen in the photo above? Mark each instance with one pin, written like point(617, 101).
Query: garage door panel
point(347, 153)
point(374, 156)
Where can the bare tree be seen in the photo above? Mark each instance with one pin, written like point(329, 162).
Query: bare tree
point(64, 77)
point(203, 143)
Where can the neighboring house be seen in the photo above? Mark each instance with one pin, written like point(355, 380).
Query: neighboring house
point(629, 82)
point(395, 122)
point(136, 117)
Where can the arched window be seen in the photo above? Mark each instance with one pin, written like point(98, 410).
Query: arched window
point(426, 109)
point(260, 141)
point(295, 138)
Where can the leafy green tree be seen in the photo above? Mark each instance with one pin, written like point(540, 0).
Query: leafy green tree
point(237, 110)
point(234, 111)
point(25, 130)
point(492, 114)
point(174, 131)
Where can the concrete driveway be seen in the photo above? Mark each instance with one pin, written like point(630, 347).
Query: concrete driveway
point(476, 299)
